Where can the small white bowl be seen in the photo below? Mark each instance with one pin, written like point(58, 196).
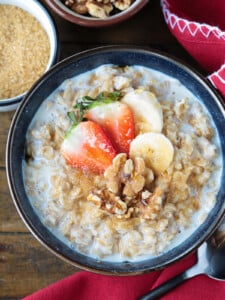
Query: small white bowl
point(37, 10)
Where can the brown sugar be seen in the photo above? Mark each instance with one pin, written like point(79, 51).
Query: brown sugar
point(24, 51)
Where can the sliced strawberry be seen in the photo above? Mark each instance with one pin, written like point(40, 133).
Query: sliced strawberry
point(87, 147)
point(116, 118)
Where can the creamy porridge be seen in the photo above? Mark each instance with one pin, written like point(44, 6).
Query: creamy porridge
point(135, 175)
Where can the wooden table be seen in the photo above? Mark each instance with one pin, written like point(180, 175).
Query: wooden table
point(25, 265)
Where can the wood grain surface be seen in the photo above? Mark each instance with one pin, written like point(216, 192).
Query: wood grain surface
point(25, 265)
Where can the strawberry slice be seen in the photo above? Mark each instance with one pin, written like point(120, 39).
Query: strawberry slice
point(87, 147)
point(116, 118)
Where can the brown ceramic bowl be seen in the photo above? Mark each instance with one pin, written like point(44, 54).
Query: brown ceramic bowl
point(15, 153)
point(65, 12)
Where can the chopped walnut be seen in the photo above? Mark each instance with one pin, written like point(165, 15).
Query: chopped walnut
point(131, 212)
point(125, 176)
point(125, 194)
point(149, 176)
point(150, 204)
point(69, 3)
point(97, 8)
point(80, 7)
point(112, 173)
point(134, 171)
point(122, 4)
point(108, 201)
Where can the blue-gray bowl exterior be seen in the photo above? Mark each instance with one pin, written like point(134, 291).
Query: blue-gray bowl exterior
point(73, 66)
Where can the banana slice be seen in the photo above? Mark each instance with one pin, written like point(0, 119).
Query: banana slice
point(156, 150)
point(147, 111)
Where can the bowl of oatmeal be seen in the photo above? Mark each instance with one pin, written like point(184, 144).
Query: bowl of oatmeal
point(28, 48)
point(120, 165)
point(95, 13)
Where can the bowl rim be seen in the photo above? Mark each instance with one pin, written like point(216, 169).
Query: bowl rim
point(69, 15)
point(13, 101)
point(202, 233)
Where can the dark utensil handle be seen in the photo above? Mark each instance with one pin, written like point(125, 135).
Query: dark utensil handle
point(165, 287)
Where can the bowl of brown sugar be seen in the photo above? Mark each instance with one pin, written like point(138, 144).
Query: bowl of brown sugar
point(28, 48)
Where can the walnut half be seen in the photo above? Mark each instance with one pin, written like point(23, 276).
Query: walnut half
point(125, 176)
point(150, 204)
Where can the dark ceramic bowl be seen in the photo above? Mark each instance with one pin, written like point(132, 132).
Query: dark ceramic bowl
point(88, 21)
point(75, 65)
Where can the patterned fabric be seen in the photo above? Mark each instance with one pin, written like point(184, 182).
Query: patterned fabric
point(203, 38)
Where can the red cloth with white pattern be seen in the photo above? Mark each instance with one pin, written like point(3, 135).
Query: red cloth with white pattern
point(198, 25)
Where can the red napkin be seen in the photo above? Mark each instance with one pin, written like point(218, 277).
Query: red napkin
point(89, 286)
point(199, 25)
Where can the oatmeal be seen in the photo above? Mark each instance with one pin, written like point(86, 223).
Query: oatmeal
point(122, 163)
point(22, 61)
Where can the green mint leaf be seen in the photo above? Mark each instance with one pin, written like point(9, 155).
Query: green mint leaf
point(72, 117)
point(114, 96)
point(86, 102)
point(88, 98)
